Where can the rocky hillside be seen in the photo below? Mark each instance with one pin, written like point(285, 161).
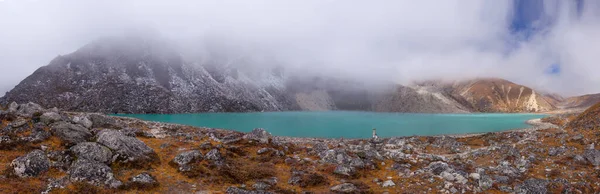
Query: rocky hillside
point(47, 150)
point(584, 101)
point(588, 120)
point(142, 75)
point(498, 95)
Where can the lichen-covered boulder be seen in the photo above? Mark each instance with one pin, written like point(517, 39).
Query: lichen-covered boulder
point(83, 121)
point(143, 181)
point(27, 110)
point(126, 149)
point(187, 157)
point(593, 156)
point(70, 133)
point(532, 186)
point(259, 135)
point(30, 165)
point(214, 155)
point(50, 117)
point(103, 121)
point(94, 173)
point(92, 151)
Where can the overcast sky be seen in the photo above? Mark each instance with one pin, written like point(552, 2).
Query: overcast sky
point(551, 45)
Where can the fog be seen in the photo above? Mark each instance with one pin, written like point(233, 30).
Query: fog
point(552, 46)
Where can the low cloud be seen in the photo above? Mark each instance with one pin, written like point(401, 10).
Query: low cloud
point(392, 40)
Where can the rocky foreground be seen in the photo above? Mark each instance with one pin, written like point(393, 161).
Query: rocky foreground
point(46, 150)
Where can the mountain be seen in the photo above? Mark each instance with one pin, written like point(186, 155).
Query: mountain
point(147, 74)
point(580, 102)
point(141, 75)
point(498, 95)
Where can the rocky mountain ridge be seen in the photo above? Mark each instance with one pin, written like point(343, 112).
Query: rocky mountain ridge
point(148, 75)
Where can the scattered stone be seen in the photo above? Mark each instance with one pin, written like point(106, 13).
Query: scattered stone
point(30, 165)
point(388, 183)
point(92, 151)
point(259, 135)
point(143, 181)
point(263, 150)
point(592, 156)
point(474, 176)
point(320, 147)
point(344, 170)
point(335, 156)
point(532, 186)
point(27, 110)
point(438, 167)
point(214, 155)
point(70, 133)
point(94, 173)
point(261, 186)
point(187, 157)
point(60, 159)
point(344, 188)
point(18, 123)
point(50, 117)
point(485, 182)
point(235, 190)
point(126, 149)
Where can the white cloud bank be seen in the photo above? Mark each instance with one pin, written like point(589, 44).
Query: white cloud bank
point(399, 40)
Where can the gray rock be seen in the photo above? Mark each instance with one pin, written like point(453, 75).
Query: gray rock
point(30, 165)
point(475, 176)
point(235, 190)
point(37, 135)
point(501, 179)
point(94, 173)
point(447, 176)
point(92, 151)
point(344, 170)
point(335, 156)
point(532, 186)
point(70, 133)
point(187, 157)
point(261, 186)
point(27, 110)
point(126, 149)
point(320, 147)
point(103, 121)
point(344, 188)
point(18, 123)
point(83, 121)
point(259, 135)
point(592, 156)
point(144, 180)
point(50, 117)
point(214, 155)
point(12, 107)
point(554, 151)
point(357, 162)
point(263, 150)
point(485, 182)
point(60, 159)
point(438, 167)
point(388, 183)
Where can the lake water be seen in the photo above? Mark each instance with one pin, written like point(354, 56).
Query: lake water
point(336, 124)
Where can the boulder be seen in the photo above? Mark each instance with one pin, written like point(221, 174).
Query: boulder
point(27, 110)
point(335, 156)
point(103, 121)
point(183, 159)
point(259, 135)
point(320, 147)
point(344, 188)
point(214, 155)
point(388, 183)
point(50, 117)
point(235, 190)
point(261, 186)
point(92, 151)
point(344, 170)
point(70, 133)
point(438, 167)
point(37, 135)
point(125, 148)
point(12, 107)
point(83, 121)
point(592, 156)
point(30, 165)
point(144, 180)
point(94, 173)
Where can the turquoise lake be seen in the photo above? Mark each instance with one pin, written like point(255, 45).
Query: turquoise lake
point(347, 124)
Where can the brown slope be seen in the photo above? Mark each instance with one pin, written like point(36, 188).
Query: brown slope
point(499, 95)
point(589, 119)
point(584, 101)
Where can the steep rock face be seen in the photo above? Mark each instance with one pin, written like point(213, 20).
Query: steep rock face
point(498, 95)
point(139, 75)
